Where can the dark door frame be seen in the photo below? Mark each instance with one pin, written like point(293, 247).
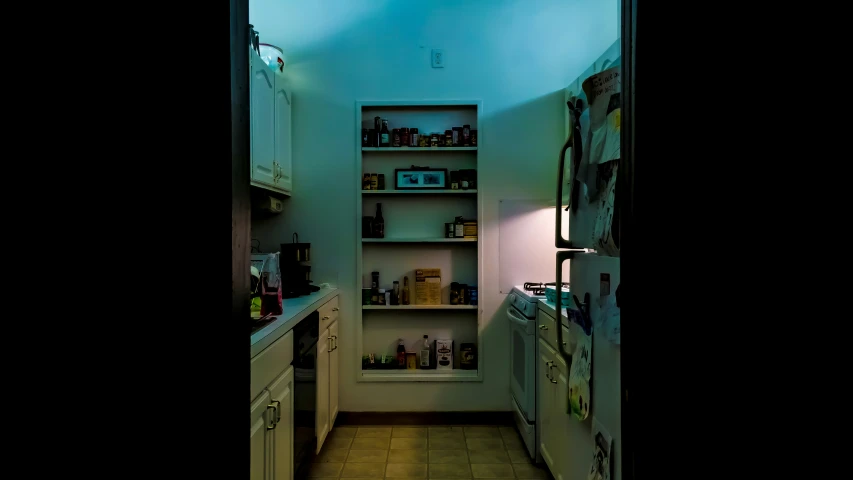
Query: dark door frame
point(240, 202)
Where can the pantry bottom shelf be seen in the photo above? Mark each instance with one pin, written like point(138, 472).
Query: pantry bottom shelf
point(455, 375)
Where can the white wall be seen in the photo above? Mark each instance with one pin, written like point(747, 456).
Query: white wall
point(514, 55)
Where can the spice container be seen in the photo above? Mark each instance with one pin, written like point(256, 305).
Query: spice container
point(365, 137)
point(473, 138)
point(468, 356)
point(404, 137)
point(377, 131)
point(472, 295)
point(374, 181)
point(381, 297)
point(454, 293)
point(466, 135)
point(448, 138)
point(395, 135)
point(423, 140)
point(457, 136)
point(374, 288)
point(458, 225)
point(449, 230)
point(463, 179)
point(365, 182)
point(395, 293)
point(381, 181)
point(371, 138)
point(413, 137)
point(454, 180)
point(463, 294)
point(433, 140)
point(387, 297)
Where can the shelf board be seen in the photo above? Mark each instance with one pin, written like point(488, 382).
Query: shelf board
point(419, 192)
point(419, 240)
point(455, 375)
point(418, 149)
point(419, 307)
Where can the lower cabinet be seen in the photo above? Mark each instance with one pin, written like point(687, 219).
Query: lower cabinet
point(281, 395)
point(334, 364)
point(259, 455)
point(552, 390)
point(322, 424)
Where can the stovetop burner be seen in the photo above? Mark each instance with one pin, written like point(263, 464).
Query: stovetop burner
point(537, 288)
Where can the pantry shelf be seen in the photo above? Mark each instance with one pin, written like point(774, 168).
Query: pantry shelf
point(419, 240)
point(419, 192)
point(419, 307)
point(419, 149)
point(455, 375)
point(415, 223)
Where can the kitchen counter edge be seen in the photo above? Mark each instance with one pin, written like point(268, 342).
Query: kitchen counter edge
point(295, 310)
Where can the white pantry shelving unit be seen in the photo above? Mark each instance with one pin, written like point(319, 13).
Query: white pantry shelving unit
point(414, 238)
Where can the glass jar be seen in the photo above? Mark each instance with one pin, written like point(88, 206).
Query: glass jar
point(404, 137)
point(448, 138)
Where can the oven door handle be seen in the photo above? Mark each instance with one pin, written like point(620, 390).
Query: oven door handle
point(522, 322)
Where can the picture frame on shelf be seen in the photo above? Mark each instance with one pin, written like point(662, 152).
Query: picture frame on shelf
point(420, 178)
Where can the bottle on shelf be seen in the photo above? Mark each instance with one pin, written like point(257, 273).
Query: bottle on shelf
point(395, 293)
point(377, 131)
point(379, 223)
point(401, 355)
point(425, 354)
point(384, 135)
point(374, 288)
point(404, 299)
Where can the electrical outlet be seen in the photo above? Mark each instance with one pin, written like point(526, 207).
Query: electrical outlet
point(438, 59)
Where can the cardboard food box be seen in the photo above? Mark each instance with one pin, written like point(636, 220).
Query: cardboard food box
point(428, 286)
point(444, 354)
point(469, 229)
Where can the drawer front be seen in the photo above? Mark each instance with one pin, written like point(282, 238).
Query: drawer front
point(547, 327)
point(269, 364)
point(328, 313)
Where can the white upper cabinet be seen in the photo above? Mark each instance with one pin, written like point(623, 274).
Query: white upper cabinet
point(283, 167)
point(261, 91)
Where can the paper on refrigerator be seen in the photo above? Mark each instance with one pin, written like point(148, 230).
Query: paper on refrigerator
point(601, 452)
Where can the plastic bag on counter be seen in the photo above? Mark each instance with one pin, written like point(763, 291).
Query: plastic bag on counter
point(270, 285)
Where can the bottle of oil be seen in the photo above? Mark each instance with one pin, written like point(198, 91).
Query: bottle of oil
point(404, 298)
point(379, 223)
point(384, 135)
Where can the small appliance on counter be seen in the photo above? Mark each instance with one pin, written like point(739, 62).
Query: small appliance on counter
point(296, 269)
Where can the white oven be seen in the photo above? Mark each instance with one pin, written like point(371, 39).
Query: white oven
point(522, 355)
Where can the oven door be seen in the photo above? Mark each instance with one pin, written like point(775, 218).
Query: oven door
point(522, 355)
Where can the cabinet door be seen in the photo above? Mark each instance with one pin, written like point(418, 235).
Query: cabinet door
point(259, 457)
point(281, 394)
point(562, 421)
point(322, 418)
point(262, 120)
point(282, 142)
point(545, 394)
point(333, 374)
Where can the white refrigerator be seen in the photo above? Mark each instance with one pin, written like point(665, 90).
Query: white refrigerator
point(592, 248)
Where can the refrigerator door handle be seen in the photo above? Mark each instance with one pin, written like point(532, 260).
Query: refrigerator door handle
point(561, 345)
point(559, 242)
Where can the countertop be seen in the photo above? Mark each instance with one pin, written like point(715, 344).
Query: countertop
point(551, 309)
point(295, 309)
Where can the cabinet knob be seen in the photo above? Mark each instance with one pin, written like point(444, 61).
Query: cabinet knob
point(326, 317)
point(543, 327)
point(552, 380)
point(335, 309)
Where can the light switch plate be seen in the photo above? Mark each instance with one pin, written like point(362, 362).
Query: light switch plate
point(437, 58)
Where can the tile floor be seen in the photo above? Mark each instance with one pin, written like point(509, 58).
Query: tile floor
point(425, 452)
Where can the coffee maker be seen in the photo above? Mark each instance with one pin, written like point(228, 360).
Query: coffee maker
point(295, 264)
